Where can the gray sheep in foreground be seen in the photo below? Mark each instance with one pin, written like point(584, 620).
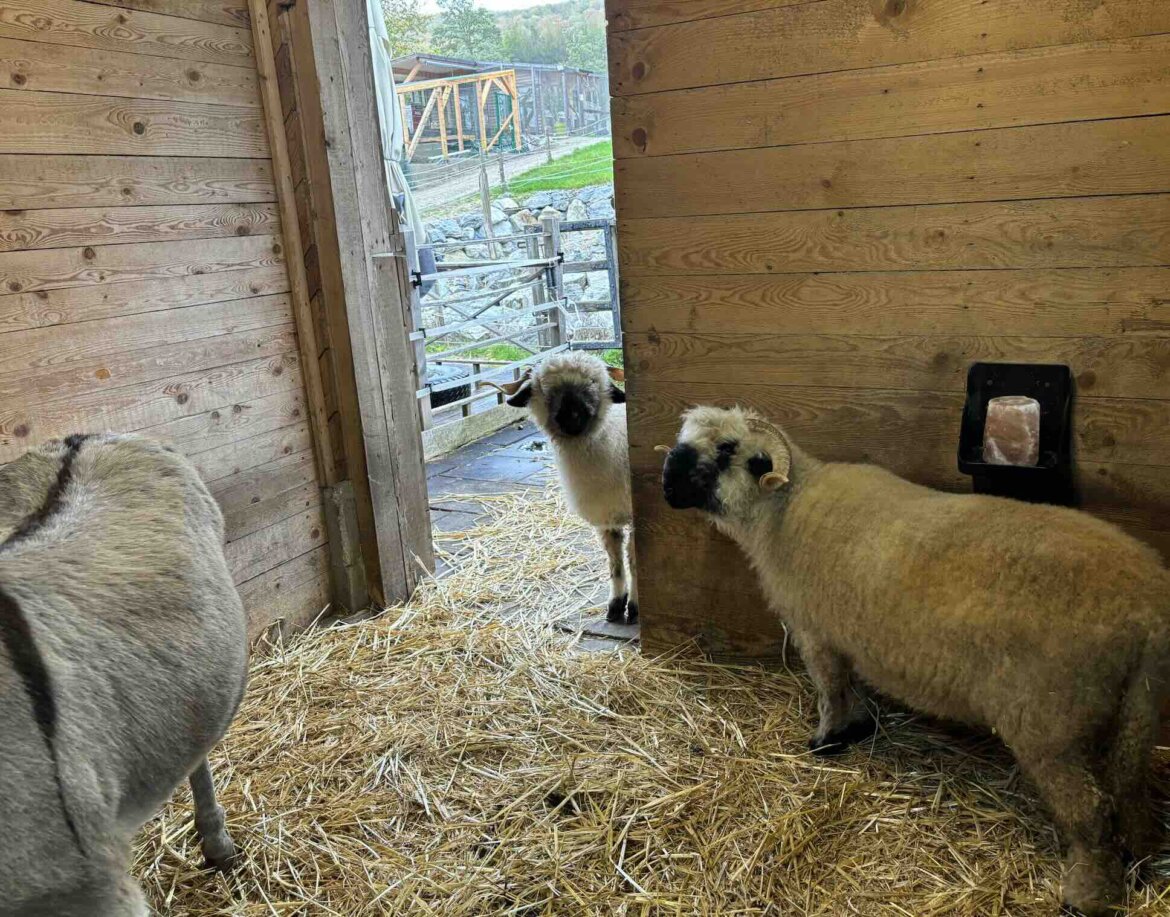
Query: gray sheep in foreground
point(1045, 624)
point(123, 657)
point(572, 398)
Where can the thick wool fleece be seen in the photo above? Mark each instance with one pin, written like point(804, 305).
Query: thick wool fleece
point(111, 559)
point(1042, 623)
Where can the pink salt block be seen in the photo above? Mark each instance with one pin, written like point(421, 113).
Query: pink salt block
point(1011, 435)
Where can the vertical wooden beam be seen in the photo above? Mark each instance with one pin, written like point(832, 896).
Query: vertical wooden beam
point(515, 110)
point(422, 123)
point(459, 116)
point(481, 92)
point(375, 299)
point(407, 126)
point(565, 97)
point(443, 92)
point(291, 233)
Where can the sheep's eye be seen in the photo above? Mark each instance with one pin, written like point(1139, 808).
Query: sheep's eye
point(724, 452)
point(759, 465)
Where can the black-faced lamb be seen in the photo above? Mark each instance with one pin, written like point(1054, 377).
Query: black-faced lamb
point(1043, 623)
point(123, 657)
point(572, 398)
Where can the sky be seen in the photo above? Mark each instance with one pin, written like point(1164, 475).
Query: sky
point(495, 6)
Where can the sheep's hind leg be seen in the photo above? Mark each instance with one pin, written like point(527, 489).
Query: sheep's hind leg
point(1084, 813)
point(844, 717)
point(613, 540)
point(217, 844)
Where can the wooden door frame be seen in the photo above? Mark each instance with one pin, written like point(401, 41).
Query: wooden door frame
point(379, 517)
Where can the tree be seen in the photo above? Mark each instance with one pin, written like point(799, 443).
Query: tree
point(408, 27)
point(585, 42)
point(466, 30)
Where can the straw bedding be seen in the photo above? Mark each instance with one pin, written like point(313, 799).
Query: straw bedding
point(458, 757)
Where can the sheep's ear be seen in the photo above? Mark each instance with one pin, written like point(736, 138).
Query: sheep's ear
point(616, 395)
point(616, 373)
point(521, 397)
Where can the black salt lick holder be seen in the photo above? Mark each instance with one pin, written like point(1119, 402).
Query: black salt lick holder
point(1051, 479)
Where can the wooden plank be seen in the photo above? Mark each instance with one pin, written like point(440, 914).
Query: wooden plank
point(388, 409)
point(848, 35)
point(1130, 156)
point(623, 15)
point(229, 424)
point(89, 25)
point(101, 265)
point(877, 426)
point(269, 512)
point(68, 227)
point(236, 493)
point(32, 182)
point(34, 66)
point(49, 122)
point(1068, 302)
point(292, 594)
point(224, 12)
point(1121, 366)
point(82, 304)
point(1089, 232)
point(137, 407)
point(1122, 78)
point(259, 552)
point(60, 362)
point(298, 283)
point(241, 455)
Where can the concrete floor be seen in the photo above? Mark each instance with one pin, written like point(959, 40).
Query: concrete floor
point(517, 458)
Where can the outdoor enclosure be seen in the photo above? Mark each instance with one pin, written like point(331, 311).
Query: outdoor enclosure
point(828, 209)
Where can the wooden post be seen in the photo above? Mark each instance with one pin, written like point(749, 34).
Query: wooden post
point(376, 303)
point(442, 106)
point(425, 416)
point(538, 121)
point(535, 248)
point(459, 116)
point(481, 91)
point(550, 221)
point(517, 136)
point(611, 255)
point(565, 96)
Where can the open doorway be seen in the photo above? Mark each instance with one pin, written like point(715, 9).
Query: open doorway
point(501, 163)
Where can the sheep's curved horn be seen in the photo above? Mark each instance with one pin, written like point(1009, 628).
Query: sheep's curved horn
point(616, 373)
point(780, 452)
point(662, 449)
point(508, 388)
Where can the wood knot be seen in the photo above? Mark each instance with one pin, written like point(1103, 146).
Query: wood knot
point(826, 183)
point(14, 286)
point(243, 231)
point(20, 431)
point(182, 398)
point(88, 253)
point(215, 415)
point(237, 408)
point(1087, 379)
point(638, 137)
point(194, 76)
point(102, 373)
point(638, 71)
point(139, 128)
point(287, 450)
point(315, 534)
point(19, 79)
point(276, 249)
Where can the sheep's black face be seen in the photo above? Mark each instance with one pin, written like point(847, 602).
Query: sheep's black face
point(690, 482)
point(572, 409)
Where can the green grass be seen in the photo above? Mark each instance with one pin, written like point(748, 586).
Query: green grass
point(512, 353)
point(590, 165)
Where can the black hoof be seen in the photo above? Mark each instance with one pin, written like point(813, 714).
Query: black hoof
point(617, 610)
point(632, 613)
point(839, 741)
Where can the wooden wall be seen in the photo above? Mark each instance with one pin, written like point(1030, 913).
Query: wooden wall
point(143, 283)
point(830, 208)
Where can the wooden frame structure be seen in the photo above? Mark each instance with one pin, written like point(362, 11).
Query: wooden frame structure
point(441, 93)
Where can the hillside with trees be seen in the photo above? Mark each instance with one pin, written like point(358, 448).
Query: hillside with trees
point(571, 32)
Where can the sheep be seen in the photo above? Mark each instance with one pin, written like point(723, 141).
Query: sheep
point(1043, 623)
point(572, 398)
point(123, 658)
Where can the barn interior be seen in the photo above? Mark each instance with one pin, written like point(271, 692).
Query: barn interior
point(828, 210)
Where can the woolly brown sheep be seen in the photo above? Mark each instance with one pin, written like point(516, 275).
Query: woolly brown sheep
point(123, 656)
point(1045, 624)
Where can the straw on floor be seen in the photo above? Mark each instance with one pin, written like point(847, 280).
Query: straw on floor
point(458, 757)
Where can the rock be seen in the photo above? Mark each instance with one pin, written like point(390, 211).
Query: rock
point(576, 211)
point(498, 214)
point(508, 204)
point(538, 201)
point(474, 220)
point(502, 227)
point(522, 219)
point(434, 233)
point(450, 228)
point(601, 209)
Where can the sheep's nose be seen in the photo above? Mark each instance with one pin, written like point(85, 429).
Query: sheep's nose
point(572, 419)
point(685, 483)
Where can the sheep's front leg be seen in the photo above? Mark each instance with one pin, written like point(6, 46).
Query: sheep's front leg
point(613, 539)
point(209, 820)
point(844, 717)
point(631, 567)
